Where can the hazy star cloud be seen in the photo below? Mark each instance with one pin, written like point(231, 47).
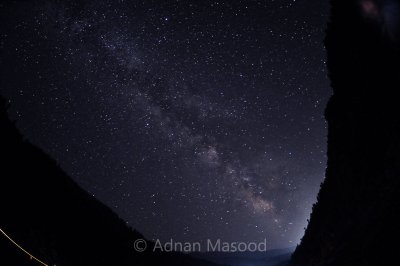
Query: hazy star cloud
point(209, 156)
point(188, 114)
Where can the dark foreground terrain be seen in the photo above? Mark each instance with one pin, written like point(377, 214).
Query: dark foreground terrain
point(355, 220)
point(275, 257)
point(48, 214)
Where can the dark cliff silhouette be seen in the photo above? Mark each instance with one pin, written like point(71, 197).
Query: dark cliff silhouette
point(47, 213)
point(355, 220)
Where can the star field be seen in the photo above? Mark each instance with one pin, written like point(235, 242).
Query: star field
point(190, 119)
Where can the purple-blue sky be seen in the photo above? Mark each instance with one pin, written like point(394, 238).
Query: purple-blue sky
point(190, 119)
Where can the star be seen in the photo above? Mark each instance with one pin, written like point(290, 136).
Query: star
point(203, 114)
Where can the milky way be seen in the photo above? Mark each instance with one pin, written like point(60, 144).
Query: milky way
point(190, 119)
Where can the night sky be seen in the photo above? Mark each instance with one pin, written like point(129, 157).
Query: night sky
point(190, 119)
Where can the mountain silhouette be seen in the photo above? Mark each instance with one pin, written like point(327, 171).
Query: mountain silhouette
point(49, 215)
point(355, 220)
